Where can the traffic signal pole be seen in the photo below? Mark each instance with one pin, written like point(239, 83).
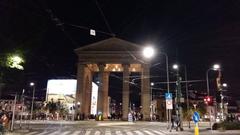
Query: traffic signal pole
point(178, 103)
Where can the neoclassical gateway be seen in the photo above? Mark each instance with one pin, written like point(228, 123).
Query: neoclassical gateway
point(111, 55)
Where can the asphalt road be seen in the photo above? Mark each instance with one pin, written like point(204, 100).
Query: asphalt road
point(107, 128)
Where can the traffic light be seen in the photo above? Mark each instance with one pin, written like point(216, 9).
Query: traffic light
point(208, 100)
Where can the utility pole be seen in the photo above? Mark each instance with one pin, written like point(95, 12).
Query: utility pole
point(22, 104)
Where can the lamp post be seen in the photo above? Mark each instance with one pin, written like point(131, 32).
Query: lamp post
point(224, 85)
point(152, 84)
point(178, 107)
point(215, 67)
point(176, 67)
point(33, 96)
point(148, 52)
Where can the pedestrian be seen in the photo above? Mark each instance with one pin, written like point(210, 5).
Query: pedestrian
point(172, 122)
point(4, 122)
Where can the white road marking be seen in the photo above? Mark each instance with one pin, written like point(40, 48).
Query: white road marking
point(159, 133)
point(119, 133)
point(97, 133)
point(88, 132)
point(107, 132)
point(129, 132)
point(44, 133)
point(55, 133)
point(76, 133)
point(148, 132)
point(138, 132)
point(65, 133)
point(32, 133)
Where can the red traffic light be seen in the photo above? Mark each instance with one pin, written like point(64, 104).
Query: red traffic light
point(208, 100)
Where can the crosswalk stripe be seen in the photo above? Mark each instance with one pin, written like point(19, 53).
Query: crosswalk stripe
point(138, 132)
point(76, 133)
point(148, 132)
point(159, 133)
point(32, 133)
point(65, 133)
point(107, 132)
point(88, 132)
point(97, 133)
point(43, 133)
point(129, 132)
point(55, 133)
point(119, 133)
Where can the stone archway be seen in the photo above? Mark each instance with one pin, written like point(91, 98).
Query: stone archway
point(111, 55)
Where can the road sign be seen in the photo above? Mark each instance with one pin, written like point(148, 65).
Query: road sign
point(196, 117)
point(169, 104)
point(168, 97)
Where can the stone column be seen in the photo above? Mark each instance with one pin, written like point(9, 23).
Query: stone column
point(145, 92)
point(79, 102)
point(88, 91)
point(105, 94)
point(100, 89)
point(125, 95)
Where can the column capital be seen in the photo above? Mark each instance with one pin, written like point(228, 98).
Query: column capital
point(101, 66)
point(125, 64)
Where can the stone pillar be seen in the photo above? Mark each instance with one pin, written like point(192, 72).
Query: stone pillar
point(79, 102)
point(100, 89)
point(145, 92)
point(88, 91)
point(125, 96)
point(105, 94)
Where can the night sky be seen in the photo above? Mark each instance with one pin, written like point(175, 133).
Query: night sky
point(194, 33)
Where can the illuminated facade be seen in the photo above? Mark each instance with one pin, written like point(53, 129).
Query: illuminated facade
point(111, 55)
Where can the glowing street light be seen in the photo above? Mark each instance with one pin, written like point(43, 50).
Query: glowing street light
point(148, 52)
point(33, 96)
point(224, 85)
point(175, 66)
point(216, 67)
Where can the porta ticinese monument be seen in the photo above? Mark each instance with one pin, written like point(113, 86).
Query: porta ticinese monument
point(111, 55)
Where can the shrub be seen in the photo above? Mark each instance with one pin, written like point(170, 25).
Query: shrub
point(226, 126)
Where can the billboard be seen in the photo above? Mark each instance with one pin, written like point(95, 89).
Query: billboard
point(94, 98)
point(64, 90)
point(61, 89)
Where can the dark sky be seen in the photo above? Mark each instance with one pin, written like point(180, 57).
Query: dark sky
point(195, 33)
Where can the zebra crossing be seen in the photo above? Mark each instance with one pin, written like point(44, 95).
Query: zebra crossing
point(99, 132)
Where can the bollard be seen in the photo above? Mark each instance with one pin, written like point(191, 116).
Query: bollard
point(196, 129)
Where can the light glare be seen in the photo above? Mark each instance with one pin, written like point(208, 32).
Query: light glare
point(216, 66)
point(148, 52)
point(175, 66)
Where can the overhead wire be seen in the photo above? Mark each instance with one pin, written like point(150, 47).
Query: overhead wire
point(104, 18)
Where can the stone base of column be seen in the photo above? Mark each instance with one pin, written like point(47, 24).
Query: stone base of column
point(124, 119)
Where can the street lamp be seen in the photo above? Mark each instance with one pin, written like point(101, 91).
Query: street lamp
point(176, 67)
point(215, 67)
point(224, 85)
point(33, 96)
point(148, 52)
point(178, 107)
point(152, 84)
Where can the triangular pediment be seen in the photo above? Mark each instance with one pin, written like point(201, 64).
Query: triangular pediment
point(111, 44)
